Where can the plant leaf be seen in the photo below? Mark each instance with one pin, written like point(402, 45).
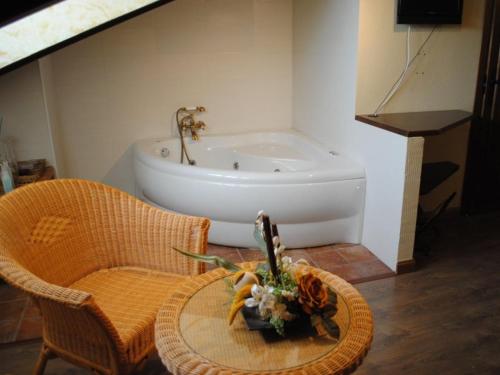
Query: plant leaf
point(211, 259)
point(332, 297)
point(261, 242)
point(329, 311)
point(331, 327)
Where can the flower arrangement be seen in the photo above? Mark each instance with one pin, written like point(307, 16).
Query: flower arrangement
point(279, 292)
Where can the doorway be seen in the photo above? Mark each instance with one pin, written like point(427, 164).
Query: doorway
point(482, 177)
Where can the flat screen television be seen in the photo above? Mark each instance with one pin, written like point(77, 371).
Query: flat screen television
point(430, 12)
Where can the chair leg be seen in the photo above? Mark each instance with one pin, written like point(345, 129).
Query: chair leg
point(45, 355)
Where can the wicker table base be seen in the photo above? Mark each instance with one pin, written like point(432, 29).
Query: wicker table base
point(193, 337)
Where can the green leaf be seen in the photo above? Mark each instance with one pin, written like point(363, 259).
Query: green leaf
point(329, 311)
point(211, 259)
point(332, 297)
point(261, 242)
point(262, 267)
point(331, 327)
point(278, 324)
point(315, 320)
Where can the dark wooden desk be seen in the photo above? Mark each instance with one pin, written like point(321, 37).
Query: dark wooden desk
point(417, 124)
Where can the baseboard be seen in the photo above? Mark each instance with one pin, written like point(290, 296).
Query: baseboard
point(406, 266)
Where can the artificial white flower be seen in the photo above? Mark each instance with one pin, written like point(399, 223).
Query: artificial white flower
point(286, 264)
point(248, 278)
point(257, 291)
point(290, 296)
point(276, 241)
point(279, 250)
point(251, 302)
point(267, 305)
point(281, 312)
point(302, 262)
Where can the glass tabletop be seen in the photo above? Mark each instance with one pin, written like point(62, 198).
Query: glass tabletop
point(204, 328)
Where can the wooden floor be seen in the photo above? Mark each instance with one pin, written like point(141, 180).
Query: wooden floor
point(445, 318)
point(442, 319)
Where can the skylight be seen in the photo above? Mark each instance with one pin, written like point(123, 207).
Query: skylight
point(60, 24)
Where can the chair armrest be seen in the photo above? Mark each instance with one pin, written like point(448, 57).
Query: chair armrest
point(20, 278)
point(83, 335)
point(73, 325)
point(144, 236)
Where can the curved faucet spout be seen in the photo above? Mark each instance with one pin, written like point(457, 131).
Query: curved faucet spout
point(188, 123)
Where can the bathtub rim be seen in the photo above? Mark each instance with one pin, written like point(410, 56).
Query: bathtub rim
point(331, 172)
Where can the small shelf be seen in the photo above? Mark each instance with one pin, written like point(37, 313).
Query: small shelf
point(417, 124)
point(48, 174)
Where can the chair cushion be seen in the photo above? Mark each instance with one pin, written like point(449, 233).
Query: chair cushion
point(130, 297)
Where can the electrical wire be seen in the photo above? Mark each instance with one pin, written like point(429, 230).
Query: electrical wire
point(409, 62)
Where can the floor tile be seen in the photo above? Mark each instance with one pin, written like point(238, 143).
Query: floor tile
point(8, 330)
point(342, 245)
point(251, 255)
point(297, 254)
point(357, 253)
point(31, 310)
point(370, 270)
point(9, 293)
point(12, 310)
point(325, 255)
point(344, 271)
point(229, 253)
point(30, 328)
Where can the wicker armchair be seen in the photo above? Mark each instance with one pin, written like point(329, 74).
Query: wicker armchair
point(98, 263)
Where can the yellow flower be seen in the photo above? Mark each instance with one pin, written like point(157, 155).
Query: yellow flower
point(313, 294)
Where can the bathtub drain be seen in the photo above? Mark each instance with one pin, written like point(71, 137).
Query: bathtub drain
point(236, 165)
point(277, 170)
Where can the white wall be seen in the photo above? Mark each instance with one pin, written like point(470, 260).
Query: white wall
point(324, 69)
point(325, 58)
point(124, 84)
point(23, 109)
point(51, 111)
point(442, 77)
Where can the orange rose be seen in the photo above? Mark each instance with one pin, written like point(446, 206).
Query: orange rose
point(313, 294)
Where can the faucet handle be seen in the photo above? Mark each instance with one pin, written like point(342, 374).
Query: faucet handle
point(200, 125)
point(198, 109)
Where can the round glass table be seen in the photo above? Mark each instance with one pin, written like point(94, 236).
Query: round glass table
point(193, 336)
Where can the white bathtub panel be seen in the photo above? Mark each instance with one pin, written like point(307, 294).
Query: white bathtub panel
point(293, 235)
point(239, 203)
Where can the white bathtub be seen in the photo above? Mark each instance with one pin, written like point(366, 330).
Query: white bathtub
point(314, 195)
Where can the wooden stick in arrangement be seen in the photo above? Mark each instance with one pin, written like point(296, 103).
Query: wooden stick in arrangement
point(270, 247)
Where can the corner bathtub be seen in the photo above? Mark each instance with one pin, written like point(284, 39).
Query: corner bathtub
point(315, 196)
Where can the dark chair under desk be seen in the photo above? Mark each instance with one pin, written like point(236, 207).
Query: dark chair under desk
point(433, 175)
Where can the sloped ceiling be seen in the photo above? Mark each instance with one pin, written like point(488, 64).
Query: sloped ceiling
point(35, 34)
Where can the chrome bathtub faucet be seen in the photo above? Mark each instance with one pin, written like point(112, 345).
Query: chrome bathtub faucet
point(188, 123)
